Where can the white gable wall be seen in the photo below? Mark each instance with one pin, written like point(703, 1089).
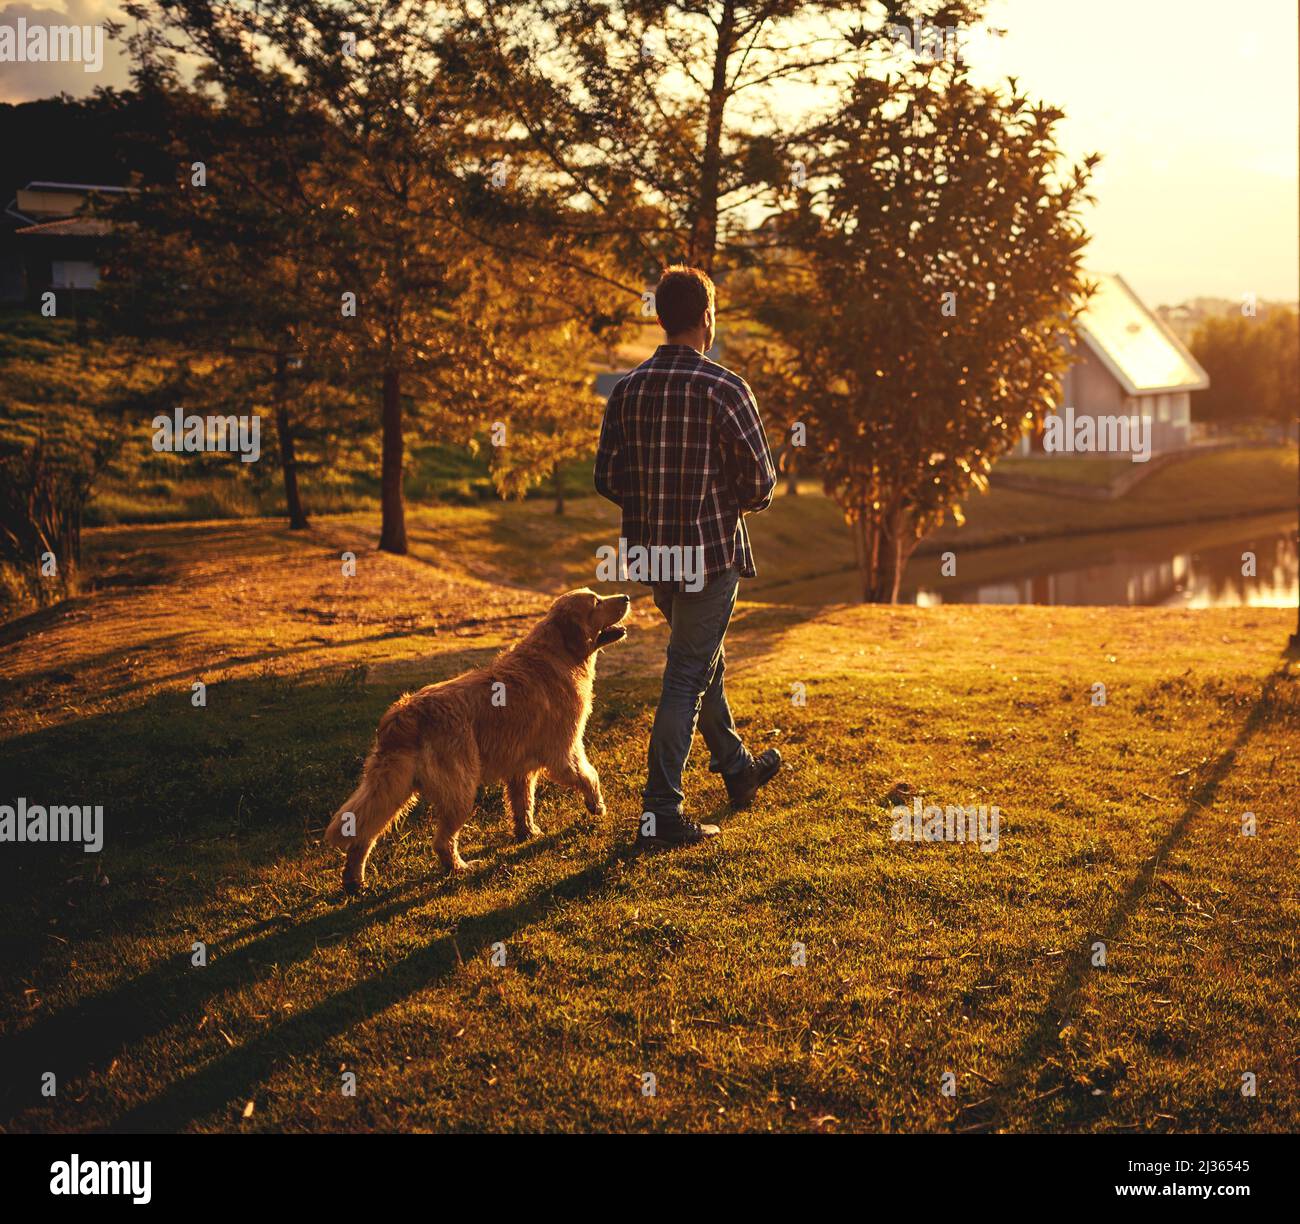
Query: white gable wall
point(1094, 391)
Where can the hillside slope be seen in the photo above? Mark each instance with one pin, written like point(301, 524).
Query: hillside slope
point(1120, 824)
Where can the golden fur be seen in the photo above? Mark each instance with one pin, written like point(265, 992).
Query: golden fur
point(523, 713)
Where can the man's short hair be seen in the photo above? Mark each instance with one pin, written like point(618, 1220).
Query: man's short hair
point(681, 298)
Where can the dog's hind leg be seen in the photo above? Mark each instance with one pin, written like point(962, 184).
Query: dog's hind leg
point(386, 789)
point(452, 797)
point(520, 790)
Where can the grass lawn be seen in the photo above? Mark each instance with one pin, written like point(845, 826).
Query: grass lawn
point(1093, 471)
point(1121, 824)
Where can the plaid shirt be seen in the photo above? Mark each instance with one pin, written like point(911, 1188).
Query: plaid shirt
point(683, 453)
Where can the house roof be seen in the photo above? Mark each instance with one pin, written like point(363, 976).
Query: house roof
point(77, 187)
point(38, 199)
point(1134, 344)
point(71, 227)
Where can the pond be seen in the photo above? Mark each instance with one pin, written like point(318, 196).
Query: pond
point(1195, 565)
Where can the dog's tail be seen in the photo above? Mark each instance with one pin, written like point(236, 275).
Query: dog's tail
point(386, 788)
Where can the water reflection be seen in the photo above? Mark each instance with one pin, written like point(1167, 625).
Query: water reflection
point(1193, 566)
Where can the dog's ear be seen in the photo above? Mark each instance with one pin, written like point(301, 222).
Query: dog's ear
point(574, 635)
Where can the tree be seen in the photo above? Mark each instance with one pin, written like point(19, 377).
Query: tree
point(379, 204)
point(1254, 368)
point(934, 288)
point(398, 209)
point(668, 123)
point(221, 258)
point(665, 128)
point(773, 368)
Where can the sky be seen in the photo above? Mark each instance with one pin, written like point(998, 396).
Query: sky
point(24, 82)
point(1193, 104)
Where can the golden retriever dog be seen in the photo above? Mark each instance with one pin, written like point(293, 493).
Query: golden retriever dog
point(524, 713)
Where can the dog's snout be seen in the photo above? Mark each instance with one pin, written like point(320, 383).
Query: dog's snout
point(618, 605)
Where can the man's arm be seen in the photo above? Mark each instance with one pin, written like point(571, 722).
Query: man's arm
point(609, 454)
point(750, 460)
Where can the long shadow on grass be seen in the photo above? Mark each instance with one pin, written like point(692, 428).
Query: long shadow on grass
point(291, 774)
point(186, 675)
point(164, 765)
point(87, 1035)
point(238, 1075)
point(40, 619)
point(265, 757)
point(82, 1037)
point(994, 1113)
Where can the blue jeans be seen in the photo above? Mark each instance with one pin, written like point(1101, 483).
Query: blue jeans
point(693, 692)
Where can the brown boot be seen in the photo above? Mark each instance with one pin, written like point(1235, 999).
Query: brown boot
point(743, 786)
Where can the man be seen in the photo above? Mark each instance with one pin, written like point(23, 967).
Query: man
point(683, 453)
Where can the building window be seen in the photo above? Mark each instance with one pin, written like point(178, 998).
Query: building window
point(73, 274)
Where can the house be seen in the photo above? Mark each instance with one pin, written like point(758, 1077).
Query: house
point(1127, 363)
point(46, 241)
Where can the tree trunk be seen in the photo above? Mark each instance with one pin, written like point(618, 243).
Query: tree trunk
point(791, 471)
point(1295, 637)
point(392, 533)
point(288, 459)
point(80, 316)
point(704, 225)
point(559, 489)
point(881, 554)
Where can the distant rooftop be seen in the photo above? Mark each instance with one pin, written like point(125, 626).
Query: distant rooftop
point(72, 227)
point(1134, 344)
point(44, 186)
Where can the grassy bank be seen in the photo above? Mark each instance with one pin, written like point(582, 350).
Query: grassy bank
point(1120, 824)
point(1221, 484)
point(802, 545)
point(167, 488)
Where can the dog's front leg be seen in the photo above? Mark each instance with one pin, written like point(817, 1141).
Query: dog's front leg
point(580, 774)
point(520, 791)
